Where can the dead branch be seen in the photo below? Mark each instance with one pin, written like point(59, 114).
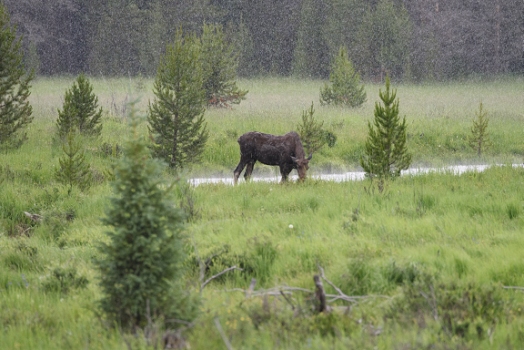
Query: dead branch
point(329, 282)
point(432, 302)
point(218, 275)
point(289, 301)
point(34, 217)
point(222, 334)
point(251, 288)
point(320, 295)
point(341, 295)
point(513, 287)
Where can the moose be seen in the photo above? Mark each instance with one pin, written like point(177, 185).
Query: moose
point(286, 151)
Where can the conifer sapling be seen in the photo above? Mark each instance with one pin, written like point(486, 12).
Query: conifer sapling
point(346, 88)
point(142, 263)
point(74, 170)
point(80, 111)
point(386, 153)
point(176, 116)
point(479, 139)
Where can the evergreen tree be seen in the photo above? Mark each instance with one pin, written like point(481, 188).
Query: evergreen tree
point(386, 153)
point(344, 89)
point(15, 110)
point(219, 63)
point(243, 45)
point(382, 44)
point(312, 135)
point(176, 117)
point(311, 54)
point(142, 264)
point(74, 170)
point(479, 138)
point(80, 110)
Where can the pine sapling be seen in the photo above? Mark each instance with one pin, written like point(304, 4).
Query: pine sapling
point(142, 262)
point(479, 139)
point(312, 135)
point(346, 88)
point(74, 170)
point(176, 116)
point(80, 110)
point(386, 153)
point(219, 63)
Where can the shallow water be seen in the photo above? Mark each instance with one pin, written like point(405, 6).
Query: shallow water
point(350, 176)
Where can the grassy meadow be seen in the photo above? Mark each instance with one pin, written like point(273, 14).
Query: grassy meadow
point(426, 261)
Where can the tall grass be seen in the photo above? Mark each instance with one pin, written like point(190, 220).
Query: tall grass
point(458, 236)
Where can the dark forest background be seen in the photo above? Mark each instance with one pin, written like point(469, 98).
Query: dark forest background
point(410, 39)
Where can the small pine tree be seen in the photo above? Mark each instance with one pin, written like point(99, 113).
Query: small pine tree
point(74, 170)
point(80, 110)
point(176, 117)
point(386, 153)
point(312, 135)
point(15, 110)
point(345, 82)
point(219, 63)
point(142, 264)
point(479, 139)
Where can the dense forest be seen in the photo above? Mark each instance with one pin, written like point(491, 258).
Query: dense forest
point(414, 40)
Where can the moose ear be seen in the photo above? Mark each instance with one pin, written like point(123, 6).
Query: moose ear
point(310, 156)
point(293, 159)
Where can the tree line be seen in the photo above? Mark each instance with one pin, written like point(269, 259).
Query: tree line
point(410, 39)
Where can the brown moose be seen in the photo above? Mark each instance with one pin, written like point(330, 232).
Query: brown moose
point(285, 151)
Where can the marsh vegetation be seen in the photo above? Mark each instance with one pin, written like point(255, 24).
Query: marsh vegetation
point(425, 261)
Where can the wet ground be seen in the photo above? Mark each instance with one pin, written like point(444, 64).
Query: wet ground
point(349, 176)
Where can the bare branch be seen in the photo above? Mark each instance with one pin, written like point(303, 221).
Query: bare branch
point(34, 217)
point(222, 334)
point(330, 283)
point(218, 275)
point(513, 287)
point(289, 301)
point(320, 295)
point(249, 291)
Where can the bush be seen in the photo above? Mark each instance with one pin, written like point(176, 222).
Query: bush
point(63, 280)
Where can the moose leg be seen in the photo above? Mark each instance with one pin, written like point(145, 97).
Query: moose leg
point(284, 171)
point(238, 170)
point(249, 170)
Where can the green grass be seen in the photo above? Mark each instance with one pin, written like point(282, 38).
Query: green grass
point(431, 252)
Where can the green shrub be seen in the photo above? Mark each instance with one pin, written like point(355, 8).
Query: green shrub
point(63, 280)
point(460, 309)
